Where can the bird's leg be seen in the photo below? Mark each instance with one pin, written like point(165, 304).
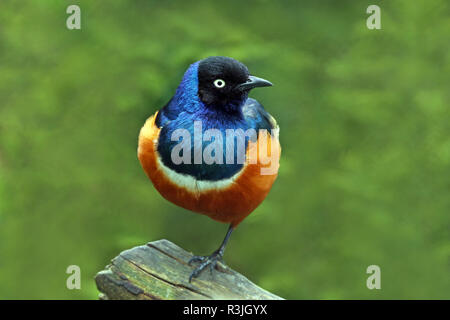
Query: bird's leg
point(211, 260)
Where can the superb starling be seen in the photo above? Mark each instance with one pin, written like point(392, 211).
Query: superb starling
point(204, 172)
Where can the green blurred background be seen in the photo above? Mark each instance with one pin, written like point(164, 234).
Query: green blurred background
point(365, 130)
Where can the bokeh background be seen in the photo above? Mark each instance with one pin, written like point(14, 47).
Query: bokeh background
point(365, 130)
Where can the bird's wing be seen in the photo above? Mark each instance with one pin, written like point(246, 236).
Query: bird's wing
point(257, 116)
point(165, 115)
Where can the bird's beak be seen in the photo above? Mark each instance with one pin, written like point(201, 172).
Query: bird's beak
point(253, 82)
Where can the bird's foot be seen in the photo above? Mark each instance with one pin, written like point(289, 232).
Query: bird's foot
point(210, 261)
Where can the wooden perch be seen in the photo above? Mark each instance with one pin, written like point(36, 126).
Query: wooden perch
point(159, 270)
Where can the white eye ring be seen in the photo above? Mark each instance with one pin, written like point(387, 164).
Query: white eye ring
point(219, 83)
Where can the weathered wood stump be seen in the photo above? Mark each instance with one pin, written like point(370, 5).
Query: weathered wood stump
point(160, 270)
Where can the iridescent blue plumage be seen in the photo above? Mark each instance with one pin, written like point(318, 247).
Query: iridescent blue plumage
point(185, 107)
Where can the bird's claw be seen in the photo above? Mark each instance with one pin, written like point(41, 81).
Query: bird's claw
point(196, 259)
point(210, 261)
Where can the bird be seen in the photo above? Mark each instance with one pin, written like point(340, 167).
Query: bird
point(213, 92)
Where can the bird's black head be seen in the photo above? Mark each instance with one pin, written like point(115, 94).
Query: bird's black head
point(225, 82)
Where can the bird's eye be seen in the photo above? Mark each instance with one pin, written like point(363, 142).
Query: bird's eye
point(219, 83)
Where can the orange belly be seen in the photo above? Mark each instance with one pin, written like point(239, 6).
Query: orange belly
point(228, 203)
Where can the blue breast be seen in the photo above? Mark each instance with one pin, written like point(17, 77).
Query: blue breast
point(184, 108)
